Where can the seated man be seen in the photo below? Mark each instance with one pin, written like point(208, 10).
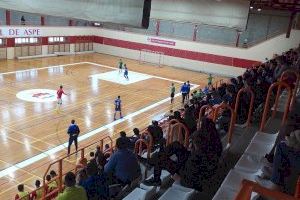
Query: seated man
point(293, 123)
point(192, 166)
point(95, 185)
point(286, 165)
point(71, 191)
point(157, 133)
point(22, 195)
point(134, 138)
point(122, 166)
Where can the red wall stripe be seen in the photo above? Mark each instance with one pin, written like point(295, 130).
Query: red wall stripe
point(192, 55)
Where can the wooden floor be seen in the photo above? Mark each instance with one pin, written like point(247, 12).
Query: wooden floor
point(28, 129)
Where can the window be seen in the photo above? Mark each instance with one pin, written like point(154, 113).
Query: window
point(56, 39)
point(26, 40)
point(1, 42)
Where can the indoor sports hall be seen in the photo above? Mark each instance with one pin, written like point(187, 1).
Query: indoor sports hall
point(149, 100)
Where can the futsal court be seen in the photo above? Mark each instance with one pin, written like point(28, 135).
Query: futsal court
point(35, 133)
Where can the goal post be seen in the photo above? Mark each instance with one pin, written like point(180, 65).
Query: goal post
point(151, 57)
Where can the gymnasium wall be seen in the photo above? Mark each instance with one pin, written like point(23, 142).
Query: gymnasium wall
point(184, 54)
point(194, 55)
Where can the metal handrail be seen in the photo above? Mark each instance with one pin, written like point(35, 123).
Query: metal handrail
point(249, 186)
point(286, 73)
point(180, 126)
point(232, 120)
point(59, 161)
point(266, 108)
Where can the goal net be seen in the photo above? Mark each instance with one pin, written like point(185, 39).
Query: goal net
point(151, 57)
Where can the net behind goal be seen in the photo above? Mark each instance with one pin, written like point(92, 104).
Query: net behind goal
point(151, 57)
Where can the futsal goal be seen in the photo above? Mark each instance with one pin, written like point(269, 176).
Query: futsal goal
point(151, 57)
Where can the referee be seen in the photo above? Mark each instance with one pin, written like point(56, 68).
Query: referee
point(73, 132)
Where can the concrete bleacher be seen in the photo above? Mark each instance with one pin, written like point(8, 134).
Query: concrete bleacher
point(250, 162)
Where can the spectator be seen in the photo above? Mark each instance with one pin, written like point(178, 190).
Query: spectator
point(122, 166)
point(21, 193)
point(216, 98)
point(38, 193)
point(81, 175)
point(192, 166)
point(123, 135)
point(93, 160)
point(134, 138)
point(157, 134)
point(51, 185)
point(54, 176)
point(71, 191)
point(208, 129)
point(100, 158)
point(223, 122)
point(293, 123)
point(106, 147)
point(285, 169)
point(95, 185)
point(189, 118)
point(177, 115)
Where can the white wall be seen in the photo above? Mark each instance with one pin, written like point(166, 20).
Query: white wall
point(44, 49)
point(72, 48)
point(259, 52)
point(10, 52)
point(224, 70)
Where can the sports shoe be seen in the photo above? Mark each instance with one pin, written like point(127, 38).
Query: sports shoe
point(152, 182)
point(265, 182)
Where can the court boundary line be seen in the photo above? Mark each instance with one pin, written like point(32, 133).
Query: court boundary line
point(49, 152)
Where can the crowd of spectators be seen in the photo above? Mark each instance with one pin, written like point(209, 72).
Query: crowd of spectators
point(197, 162)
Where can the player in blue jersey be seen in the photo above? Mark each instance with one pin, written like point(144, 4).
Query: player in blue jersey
point(126, 72)
point(184, 91)
point(118, 107)
point(188, 90)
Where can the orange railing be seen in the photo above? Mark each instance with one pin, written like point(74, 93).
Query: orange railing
point(297, 191)
point(138, 148)
point(60, 166)
point(202, 112)
point(283, 75)
point(223, 106)
point(251, 102)
point(266, 108)
point(249, 186)
point(183, 131)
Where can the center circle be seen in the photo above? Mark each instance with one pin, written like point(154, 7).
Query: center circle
point(37, 95)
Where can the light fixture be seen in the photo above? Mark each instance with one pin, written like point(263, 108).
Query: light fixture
point(258, 9)
point(251, 7)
